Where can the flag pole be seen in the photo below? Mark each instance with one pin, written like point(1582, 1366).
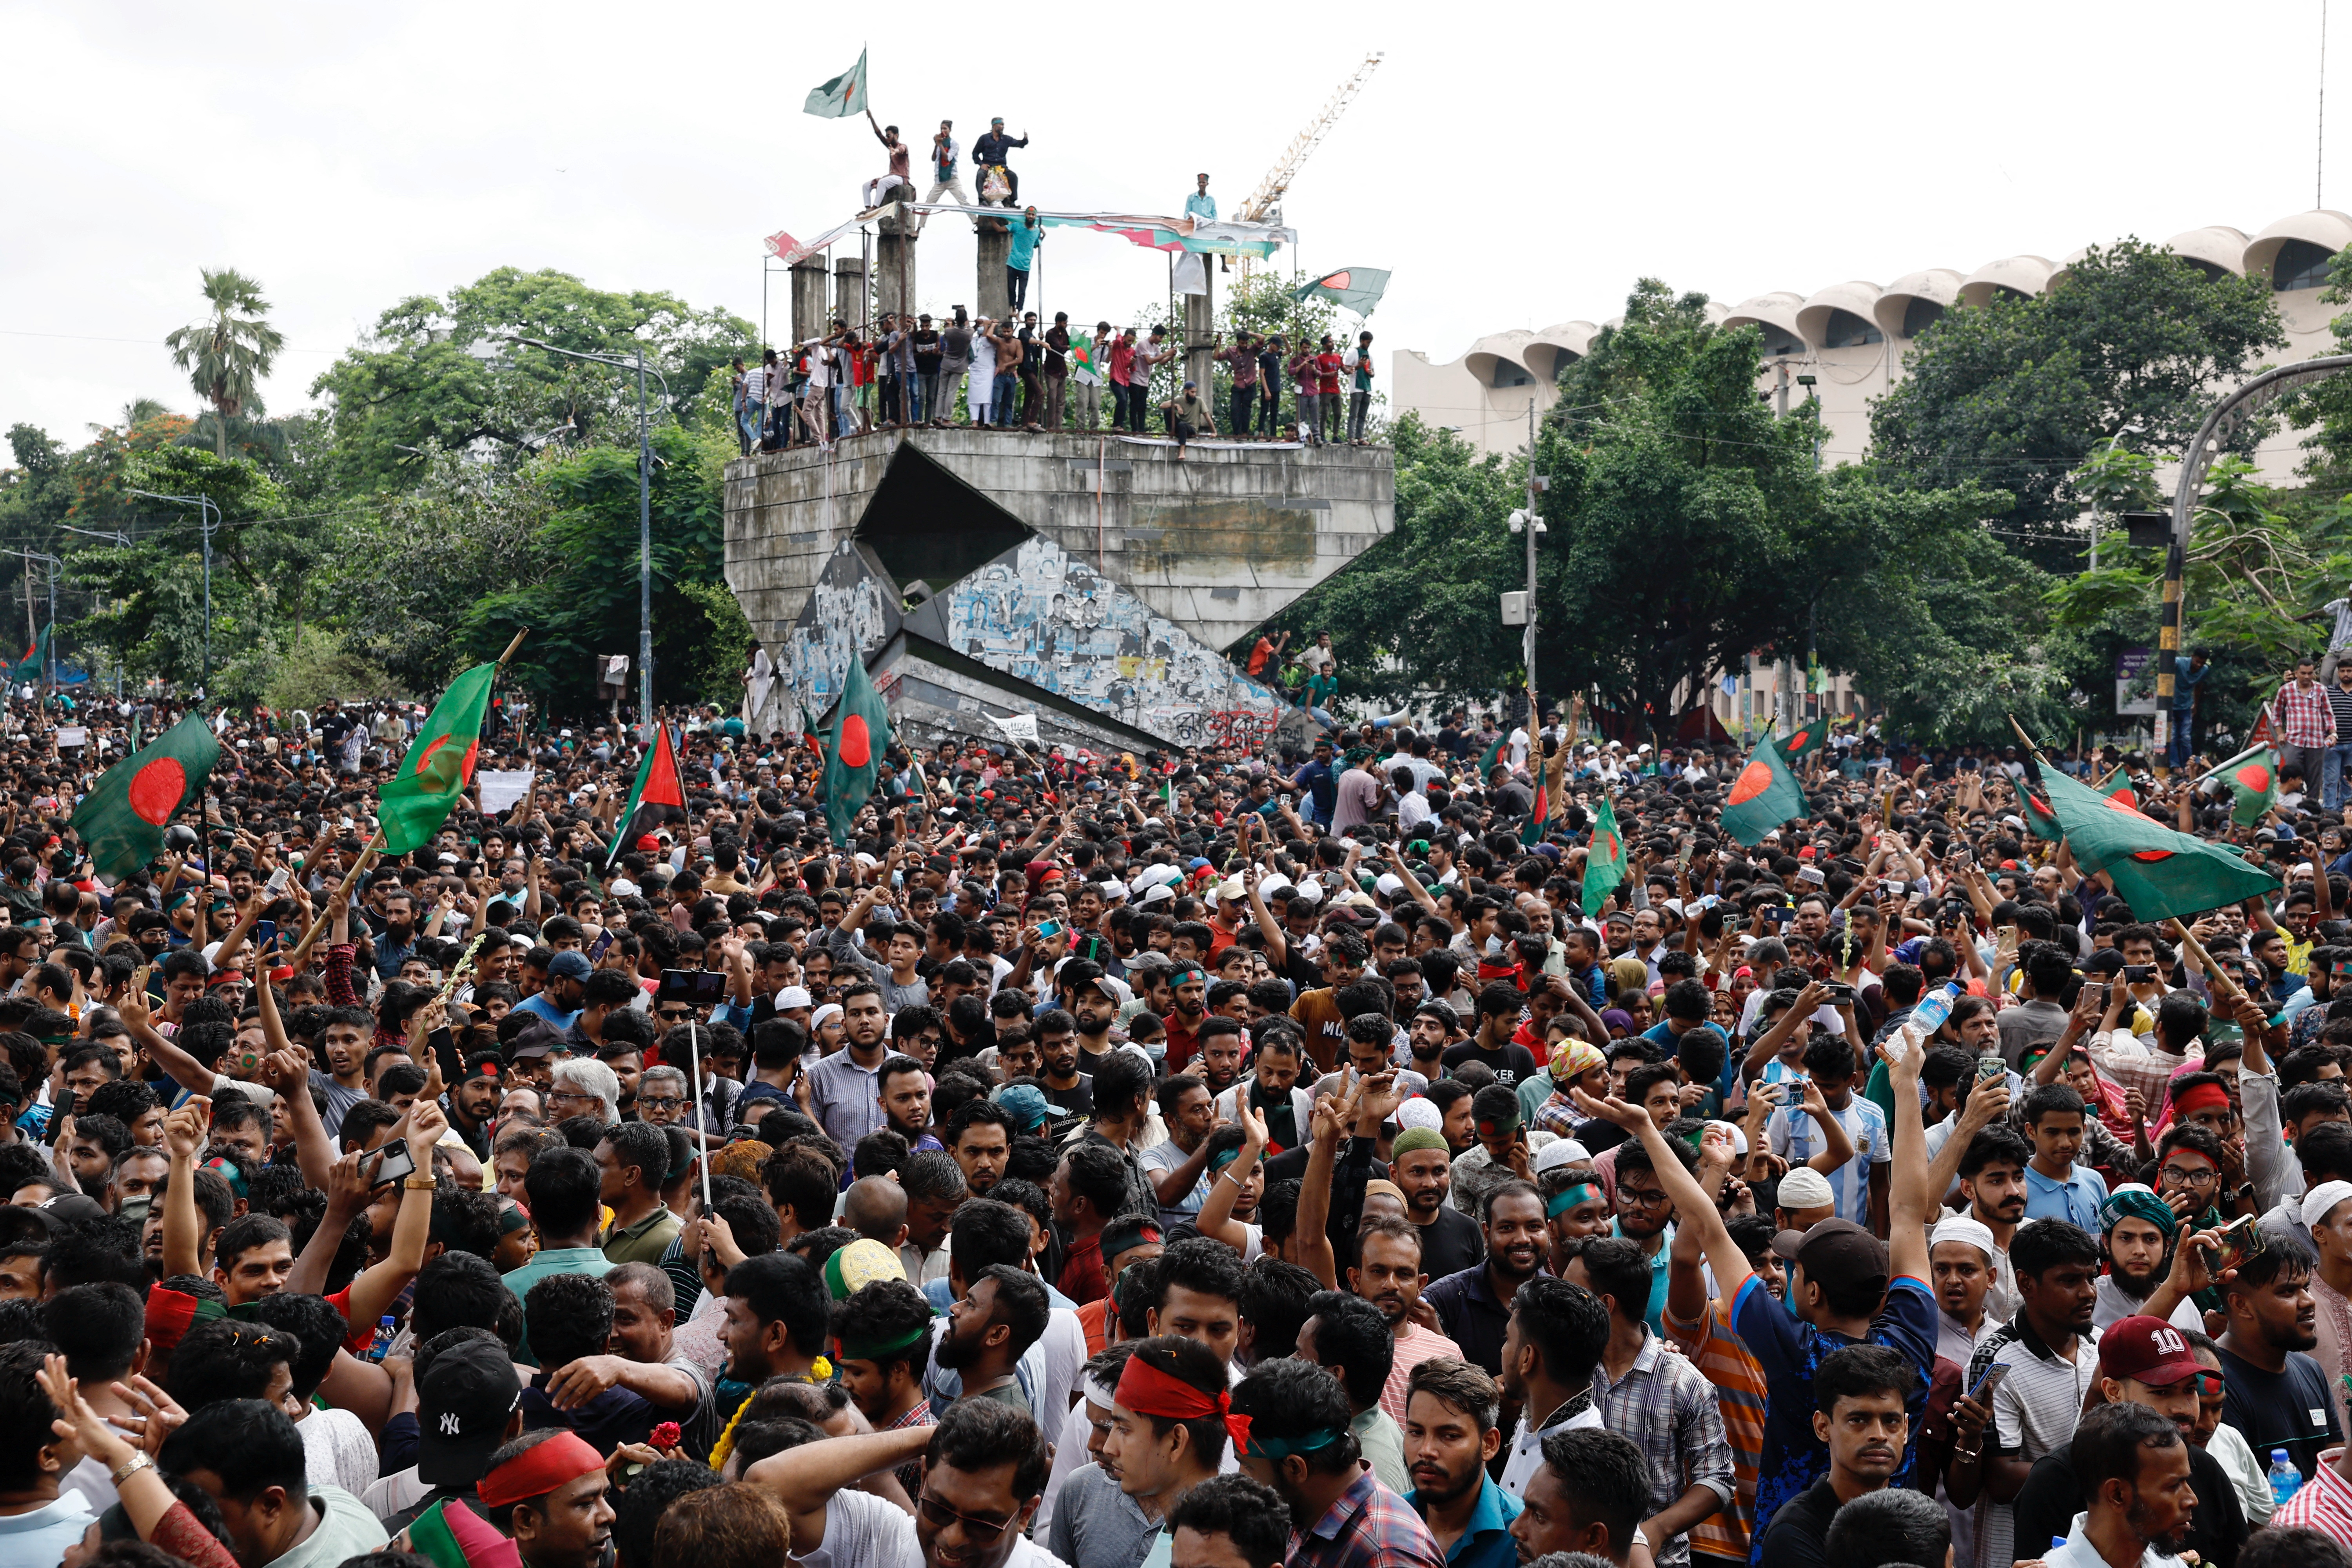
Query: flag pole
point(694, 1058)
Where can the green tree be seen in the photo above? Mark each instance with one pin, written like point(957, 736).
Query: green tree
point(587, 602)
point(227, 352)
point(413, 387)
point(2017, 394)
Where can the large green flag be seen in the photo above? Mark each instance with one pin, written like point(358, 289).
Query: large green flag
point(1764, 795)
point(657, 793)
point(123, 816)
point(439, 764)
point(844, 95)
point(1355, 288)
point(2158, 872)
point(2042, 823)
point(29, 667)
point(853, 750)
point(1604, 860)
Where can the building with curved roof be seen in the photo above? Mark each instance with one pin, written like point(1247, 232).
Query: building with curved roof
point(1851, 337)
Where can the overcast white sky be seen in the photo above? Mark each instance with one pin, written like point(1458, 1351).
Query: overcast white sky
point(1513, 164)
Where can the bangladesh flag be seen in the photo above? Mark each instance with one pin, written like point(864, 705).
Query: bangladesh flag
point(1605, 860)
point(658, 792)
point(123, 816)
point(439, 764)
point(1355, 288)
point(842, 96)
point(1807, 737)
point(2043, 822)
point(1763, 796)
point(2252, 778)
point(29, 667)
point(853, 751)
point(2158, 872)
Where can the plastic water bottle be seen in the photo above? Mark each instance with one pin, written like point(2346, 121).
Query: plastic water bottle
point(2285, 1480)
point(384, 1328)
point(1933, 1009)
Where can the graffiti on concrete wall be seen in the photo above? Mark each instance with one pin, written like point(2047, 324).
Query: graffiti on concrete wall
point(1040, 615)
point(851, 613)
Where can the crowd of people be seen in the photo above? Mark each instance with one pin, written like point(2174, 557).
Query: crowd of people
point(914, 373)
point(1216, 1159)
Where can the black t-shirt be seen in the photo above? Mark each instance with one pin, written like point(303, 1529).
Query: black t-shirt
point(1798, 1536)
point(1079, 1097)
point(1510, 1064)
point(2287, 1409)
point(927, 350)
point(1291, 1165)
point(2046, 1505)
point(1451, 1243)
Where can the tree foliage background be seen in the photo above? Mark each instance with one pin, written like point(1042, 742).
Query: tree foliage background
point(452, 483)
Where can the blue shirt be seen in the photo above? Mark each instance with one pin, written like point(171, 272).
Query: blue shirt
point(1203, 205)
point(1025, 241)
point(1656, 1315)
point(2075, 1200)
point(538, 1007)
point(1485, 1541)
point(1789, 1352)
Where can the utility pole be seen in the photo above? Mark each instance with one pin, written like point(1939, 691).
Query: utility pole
point(1529, 522)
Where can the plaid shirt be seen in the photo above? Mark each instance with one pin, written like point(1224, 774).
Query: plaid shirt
point(2305, 716)
point(1369, 1527)
point(910, 1474)
point(1667, 1409)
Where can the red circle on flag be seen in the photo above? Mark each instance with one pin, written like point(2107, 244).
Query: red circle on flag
point(1753, 779)
point(856, 745)
point(157, 789)
point(1339, 280)
point(2127, 797)
point(465, 768)
point(2255, 776)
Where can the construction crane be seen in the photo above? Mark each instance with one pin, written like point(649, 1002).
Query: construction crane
point(1262, 201)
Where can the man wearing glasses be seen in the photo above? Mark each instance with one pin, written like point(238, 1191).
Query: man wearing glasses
point(983, 1473)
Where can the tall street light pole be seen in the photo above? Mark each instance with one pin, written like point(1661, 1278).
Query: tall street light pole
point(645, 510)
point(208, 516)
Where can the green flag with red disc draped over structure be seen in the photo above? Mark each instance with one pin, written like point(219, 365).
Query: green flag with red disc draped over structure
point(439, 764)
point(1763, 795)
point(2158, 872)
point(123, 816)
point(853, 750)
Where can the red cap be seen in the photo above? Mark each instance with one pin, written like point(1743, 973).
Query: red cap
point(2147, 1350)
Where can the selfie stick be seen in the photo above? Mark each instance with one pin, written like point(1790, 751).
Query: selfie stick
point(693, 1055)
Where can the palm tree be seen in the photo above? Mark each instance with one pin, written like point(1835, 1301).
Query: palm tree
point(229, 352)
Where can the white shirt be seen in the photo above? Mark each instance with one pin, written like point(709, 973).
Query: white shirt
point(861, 1530)
point(1526, 1448)
point(2078, 1553)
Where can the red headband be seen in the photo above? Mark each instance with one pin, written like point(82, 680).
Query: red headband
point(540, 1470)
point(2201, 1097)
point(1147, 1391)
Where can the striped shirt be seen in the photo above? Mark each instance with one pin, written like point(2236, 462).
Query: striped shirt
point(1667, 1409)
point(1739, 1394)
point(1414, 1346)
point(2035, 1411)
point(1794, 1135)
point(2323, 1503)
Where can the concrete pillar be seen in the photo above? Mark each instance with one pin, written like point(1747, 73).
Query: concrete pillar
point(808, 284)
point(894, 271)
point(996, 245)
point(849, 290)
point(1200, 323)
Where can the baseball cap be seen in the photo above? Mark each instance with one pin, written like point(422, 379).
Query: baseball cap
point(1834, 1250)
point(1078, 972)
point(2146, 1349)
point(1805, 1188)
point(1027, 1105)
point(463, 1402)
point(570, 966)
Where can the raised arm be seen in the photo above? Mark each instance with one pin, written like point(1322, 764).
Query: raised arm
point(1693, 1207)
point(183, 1229)
point(1908, 1200)
point(1215, 1219)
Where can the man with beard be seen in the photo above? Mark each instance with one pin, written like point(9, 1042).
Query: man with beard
point(1860, 1391)
point(1387, 1273)
point(2146, 1361)
point(1992, 1180)
point(2135, 1234)
point(1474, 1303)
point(983, 1473)
point(1450, 1439)
point(1093, 1006)
point(777, 1314)
point(474, 1101)
point(1960, 1252)
point(2032, 1412)
point(980, 1136)
point(2276, 1397)
point(1058, 1062)
point(1421, 1165)
point(1223, 1043)
point(1000, 1316)
point(2137, 1495)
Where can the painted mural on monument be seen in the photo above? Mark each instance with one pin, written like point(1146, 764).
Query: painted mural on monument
point(1041, 616)
point(854, 605)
